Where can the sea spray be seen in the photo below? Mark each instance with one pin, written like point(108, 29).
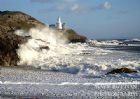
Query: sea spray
point(59, 55)
point(48, 49)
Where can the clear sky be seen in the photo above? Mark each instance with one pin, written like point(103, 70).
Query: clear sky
point(92, 18)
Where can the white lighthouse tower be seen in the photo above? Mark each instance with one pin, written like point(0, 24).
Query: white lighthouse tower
point(59, 24)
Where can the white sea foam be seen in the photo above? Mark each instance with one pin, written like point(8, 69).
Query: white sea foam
point(70, 83)
point(71, 58)
point(134, 39)
point(104, 43)
point(31, 51)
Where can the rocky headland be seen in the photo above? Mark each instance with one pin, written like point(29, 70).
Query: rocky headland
point(10, 21)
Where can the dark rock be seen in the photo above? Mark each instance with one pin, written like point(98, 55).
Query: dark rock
point(122, 70)
point(44, 47)
point(10, 21)
point(123, 43)
point(8, 45)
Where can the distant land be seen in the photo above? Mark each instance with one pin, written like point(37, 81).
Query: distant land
point(10, 21)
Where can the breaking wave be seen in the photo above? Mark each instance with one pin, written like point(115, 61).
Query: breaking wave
point(48, 49)
point(134, 39)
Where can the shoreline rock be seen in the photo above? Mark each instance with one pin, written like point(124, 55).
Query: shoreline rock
point(10, 21)
point(122, 70)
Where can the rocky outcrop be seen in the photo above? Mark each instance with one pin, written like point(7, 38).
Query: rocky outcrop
point(9, 22)
point(8, 45)
point(122, 70)
point(74, 36)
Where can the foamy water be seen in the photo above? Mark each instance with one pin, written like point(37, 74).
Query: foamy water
point(71, 58)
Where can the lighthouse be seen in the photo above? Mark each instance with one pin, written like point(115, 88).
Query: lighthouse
point(59, 24)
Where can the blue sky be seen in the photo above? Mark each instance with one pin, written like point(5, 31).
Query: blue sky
point(92, 18)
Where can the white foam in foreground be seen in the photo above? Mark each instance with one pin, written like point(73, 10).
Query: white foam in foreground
point(70, 83)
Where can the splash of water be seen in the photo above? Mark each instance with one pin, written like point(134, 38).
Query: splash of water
point(34, 53)
point(64, 57)
point(61, 56)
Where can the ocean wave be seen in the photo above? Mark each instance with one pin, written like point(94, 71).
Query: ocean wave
point(77, 58)
point(134, 39)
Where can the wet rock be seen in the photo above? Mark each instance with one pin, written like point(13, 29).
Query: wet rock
point(44, 47)
point(123, 43)
point(10, 21)
point(122, 70)
point(8, 45)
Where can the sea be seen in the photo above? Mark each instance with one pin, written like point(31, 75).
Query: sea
point(62, 70)
point(94, 57)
